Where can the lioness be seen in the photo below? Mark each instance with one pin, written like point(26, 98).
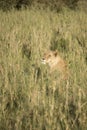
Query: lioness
point(55, 62)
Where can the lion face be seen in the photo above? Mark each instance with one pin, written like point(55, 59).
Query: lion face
point(50, 58)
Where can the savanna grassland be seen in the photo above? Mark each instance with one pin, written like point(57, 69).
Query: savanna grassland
point(29, 99)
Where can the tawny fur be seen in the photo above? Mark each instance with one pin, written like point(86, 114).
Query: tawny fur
point(55, 62)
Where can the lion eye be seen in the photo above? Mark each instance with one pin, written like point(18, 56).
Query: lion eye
point(49, 55)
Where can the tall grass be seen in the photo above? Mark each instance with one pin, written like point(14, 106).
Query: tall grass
point(29, 99)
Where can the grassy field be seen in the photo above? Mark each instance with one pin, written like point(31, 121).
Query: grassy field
point(29, 100)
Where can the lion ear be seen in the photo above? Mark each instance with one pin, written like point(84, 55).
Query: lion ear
point(55, 53)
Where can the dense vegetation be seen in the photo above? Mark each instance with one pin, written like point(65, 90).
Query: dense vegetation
point(29, 99)
point(52, 4)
